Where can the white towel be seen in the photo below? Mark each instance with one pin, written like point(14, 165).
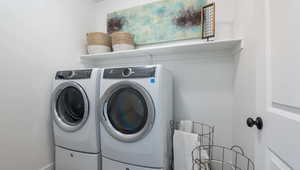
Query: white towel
point(183, 144)
point(186, 126)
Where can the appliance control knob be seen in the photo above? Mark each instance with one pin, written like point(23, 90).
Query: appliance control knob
point(70, 74)
point(127, 72)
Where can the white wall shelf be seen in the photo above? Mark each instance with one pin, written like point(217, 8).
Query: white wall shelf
point(185, 47)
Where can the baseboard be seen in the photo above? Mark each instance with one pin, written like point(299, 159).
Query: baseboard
point(50, 166)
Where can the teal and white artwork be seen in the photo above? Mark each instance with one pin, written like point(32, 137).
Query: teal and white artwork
point(161, 21)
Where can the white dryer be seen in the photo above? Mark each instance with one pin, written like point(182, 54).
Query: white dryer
point(75, 120)
point(136, 110)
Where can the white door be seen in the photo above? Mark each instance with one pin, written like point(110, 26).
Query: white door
point(278, 88)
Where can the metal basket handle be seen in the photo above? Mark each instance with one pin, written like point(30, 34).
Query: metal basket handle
point(237, 148)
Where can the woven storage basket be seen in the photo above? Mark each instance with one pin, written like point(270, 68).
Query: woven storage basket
point(122, 41)
point(98, 42)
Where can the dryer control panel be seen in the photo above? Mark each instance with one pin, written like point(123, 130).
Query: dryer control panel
point(129, 72)
point(73, 74)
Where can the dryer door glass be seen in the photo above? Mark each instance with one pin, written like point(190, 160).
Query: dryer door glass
point(70, 106)
point(127, 110)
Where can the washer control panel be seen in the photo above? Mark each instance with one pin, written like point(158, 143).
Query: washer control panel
point(73, 74)
point(129, 72)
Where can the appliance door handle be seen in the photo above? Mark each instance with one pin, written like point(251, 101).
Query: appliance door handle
point(104, 113)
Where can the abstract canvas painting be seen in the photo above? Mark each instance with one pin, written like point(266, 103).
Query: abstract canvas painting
point(161, 21)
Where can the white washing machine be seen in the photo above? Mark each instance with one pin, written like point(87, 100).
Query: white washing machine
point(136, 110)
point(75, 120)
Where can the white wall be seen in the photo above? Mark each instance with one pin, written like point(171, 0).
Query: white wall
point(37, 37)
point(203, 82)
point(203, 88)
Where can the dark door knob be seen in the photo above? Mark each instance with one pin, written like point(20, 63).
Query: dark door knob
point(258, 122)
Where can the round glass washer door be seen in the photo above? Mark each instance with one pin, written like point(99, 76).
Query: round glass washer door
point(127, 111)
point(70, 106)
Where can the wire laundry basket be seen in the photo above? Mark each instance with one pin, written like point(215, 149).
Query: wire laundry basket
point(221, 158)
point(204, 131)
